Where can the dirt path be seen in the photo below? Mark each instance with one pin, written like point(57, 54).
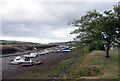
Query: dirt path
point(47, 60)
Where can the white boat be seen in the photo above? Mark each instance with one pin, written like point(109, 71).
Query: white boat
point(28, 62)
point(46, 51)
point(31, 55)
point(58, 50)
point(72, 48)
point(50, 50)
point(17, 60)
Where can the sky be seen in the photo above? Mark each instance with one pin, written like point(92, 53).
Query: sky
point(45, 21)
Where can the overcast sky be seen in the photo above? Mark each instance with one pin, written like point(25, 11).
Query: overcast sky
point(45, 21)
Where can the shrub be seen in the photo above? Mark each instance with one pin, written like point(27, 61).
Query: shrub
point(96, 46)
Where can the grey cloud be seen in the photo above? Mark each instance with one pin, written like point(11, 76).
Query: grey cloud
point(52, 17)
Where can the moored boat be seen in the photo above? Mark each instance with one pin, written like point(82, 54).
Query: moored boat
point(31, 55)
point(17, 60)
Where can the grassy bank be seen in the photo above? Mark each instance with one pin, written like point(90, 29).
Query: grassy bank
point(94, 66)
point(61, 67)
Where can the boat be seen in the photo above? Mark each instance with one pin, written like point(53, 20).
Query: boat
point(50, 50)
point(58, 50)
point(46, 51)
point(65, 50)
point(28, 62)
point(72, 48)
point(17, 60)
point(41, 53)
point(31, 55)
point(38, 62)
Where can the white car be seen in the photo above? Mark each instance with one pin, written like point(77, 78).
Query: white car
point(17, 60)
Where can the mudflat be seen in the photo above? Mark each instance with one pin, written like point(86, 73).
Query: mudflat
point(48, 62)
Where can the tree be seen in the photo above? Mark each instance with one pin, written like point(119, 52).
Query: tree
point(95, 26)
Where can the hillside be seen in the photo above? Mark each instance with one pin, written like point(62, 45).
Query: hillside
point(94, 66)
point(7, 47)
point(8, 42)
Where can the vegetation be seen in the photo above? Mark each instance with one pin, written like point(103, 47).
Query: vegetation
point(91, 66)
point(5, 42)
point(59, 68)
point(80, 49)
point(96, 27)
point(96, 31)
point(65, 64)
point(96, 46)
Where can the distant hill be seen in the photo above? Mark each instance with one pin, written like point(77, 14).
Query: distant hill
point(8, 42)
point(8, 47)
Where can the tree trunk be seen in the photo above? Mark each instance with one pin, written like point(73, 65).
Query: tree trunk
point(107, 51)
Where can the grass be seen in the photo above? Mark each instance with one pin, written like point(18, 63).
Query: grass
point(55, 73)
point(41, 72)
point(65, 64)
point(96, 65)
point(29, 75)
point(60, 67)
point(75, 52)
point(110, 66)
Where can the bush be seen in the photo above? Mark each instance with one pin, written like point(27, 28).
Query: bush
point(82, 71)
point(96, 46)
point(84, 50)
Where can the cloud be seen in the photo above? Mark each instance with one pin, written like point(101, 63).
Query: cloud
point(63, 33)
point(27, 19)
point(32, 39)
